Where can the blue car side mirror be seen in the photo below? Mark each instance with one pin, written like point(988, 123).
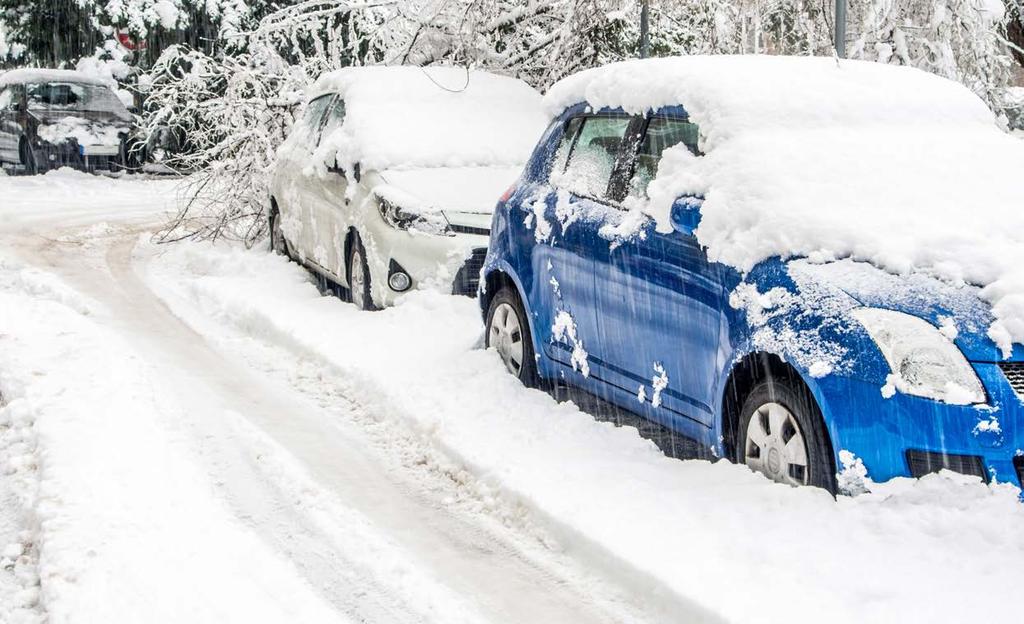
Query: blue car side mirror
point(685, 214)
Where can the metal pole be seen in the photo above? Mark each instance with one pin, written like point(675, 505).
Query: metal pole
point(645, 35)
point(840, 28)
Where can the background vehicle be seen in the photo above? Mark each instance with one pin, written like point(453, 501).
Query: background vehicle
point(787, 354)
point(390, 177)
point(55, 118)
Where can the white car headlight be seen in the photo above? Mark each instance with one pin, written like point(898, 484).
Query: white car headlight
point(402, 219)
point(924, 362)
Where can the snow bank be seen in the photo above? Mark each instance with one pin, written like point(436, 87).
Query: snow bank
point(402, 117)
point(712, 541)
point(824, 159)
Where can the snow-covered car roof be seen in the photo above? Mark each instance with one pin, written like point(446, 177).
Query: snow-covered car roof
point(824, 159)
point(29, 75)
point(733, 94)
point(431, 117)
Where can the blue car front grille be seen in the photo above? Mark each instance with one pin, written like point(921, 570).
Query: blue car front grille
point(1014, 372)
point(1018, 463)
point(924, 462)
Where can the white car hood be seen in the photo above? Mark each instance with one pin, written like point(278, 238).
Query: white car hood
point(471, 191)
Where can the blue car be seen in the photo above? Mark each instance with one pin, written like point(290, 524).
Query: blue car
point(798, 368)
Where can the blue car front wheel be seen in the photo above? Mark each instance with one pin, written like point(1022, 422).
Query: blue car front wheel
point(781, 435)
point(507, 331)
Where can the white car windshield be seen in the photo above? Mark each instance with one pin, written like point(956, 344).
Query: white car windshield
point(460, 189)
point(72, 96)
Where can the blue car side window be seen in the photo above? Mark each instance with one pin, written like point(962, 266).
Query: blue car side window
point(561, 157)
point(593, 155)
point(662, 133)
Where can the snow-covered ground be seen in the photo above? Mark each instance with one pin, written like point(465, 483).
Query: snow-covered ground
point(194, 433)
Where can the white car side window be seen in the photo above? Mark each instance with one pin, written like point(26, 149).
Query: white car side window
point(335, 118)
point(312, 119)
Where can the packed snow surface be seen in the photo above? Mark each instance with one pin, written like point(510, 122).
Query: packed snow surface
point(831, 159)
point(405, 117)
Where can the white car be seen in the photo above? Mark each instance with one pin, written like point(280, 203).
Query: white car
point(390, 176)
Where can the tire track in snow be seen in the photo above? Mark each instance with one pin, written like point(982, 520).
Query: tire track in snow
point(484, 568)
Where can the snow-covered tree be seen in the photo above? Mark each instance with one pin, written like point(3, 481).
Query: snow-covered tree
point(964, 40)
point(59, 32)
point(233, 105)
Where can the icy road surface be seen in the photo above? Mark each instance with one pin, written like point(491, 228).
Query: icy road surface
point(193, 433)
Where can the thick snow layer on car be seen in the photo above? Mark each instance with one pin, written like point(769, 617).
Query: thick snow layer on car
point(431, 117)
point(84, 131)
point(825, 159)
point(31, 75)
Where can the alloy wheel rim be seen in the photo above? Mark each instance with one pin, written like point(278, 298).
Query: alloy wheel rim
point(775, 445)
point(506, 336)
point(358, 285)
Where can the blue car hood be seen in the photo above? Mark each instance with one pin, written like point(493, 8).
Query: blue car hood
point(929, 298)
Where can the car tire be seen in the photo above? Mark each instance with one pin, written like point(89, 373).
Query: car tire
point(278, 243)
point(782, 435)
point(359, 276)
point(507, 330)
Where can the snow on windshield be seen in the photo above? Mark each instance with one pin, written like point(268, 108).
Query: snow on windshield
point(825, 159)
point(71, 96)
point(408, 117)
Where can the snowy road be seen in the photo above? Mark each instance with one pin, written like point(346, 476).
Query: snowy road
point(193, 433)
point(366, 517)
point(385, 517)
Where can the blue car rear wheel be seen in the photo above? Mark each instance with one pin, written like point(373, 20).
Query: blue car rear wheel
point(507, 331)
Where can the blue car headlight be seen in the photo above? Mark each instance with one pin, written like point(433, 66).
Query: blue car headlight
point(923, 361)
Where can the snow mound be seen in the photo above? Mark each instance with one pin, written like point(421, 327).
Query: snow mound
point(825, 159)
point(431, 117)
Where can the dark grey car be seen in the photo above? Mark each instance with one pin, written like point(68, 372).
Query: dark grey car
point(55, 118)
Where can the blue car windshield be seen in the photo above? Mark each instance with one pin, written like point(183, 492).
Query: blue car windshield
point(72, 96)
